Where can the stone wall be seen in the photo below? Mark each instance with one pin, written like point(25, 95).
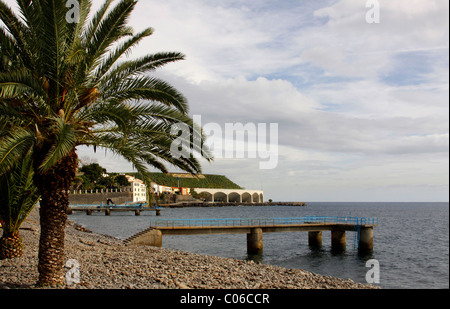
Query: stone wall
point(101, 197)
point(183, 198)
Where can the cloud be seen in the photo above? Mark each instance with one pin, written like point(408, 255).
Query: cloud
point(215, 38)
point(365, 117)
point(346, 45)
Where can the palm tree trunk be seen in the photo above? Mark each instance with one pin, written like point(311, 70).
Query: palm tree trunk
point(54, 188)
point(11, 246)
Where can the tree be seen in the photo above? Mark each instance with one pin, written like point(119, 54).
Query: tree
point(18, 196)
point(93, 172)
point(122, 181)
point(67, 84)
point(106, 182)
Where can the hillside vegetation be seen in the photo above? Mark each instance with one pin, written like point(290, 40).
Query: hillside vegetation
point(204, 181)
point(94, 176)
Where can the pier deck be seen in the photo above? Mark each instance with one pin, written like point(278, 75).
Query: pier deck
point(137, 208)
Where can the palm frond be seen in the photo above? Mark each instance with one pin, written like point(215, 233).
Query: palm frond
point(17, 29)
point(54, 36)
point(120, 51)
point(91, 29)
point(76, 51)
point(65, 142)
point(9, 51)
point(148, 88)
point(138, 67)
point(109, 30)
point(84, 7)
point(30, 10)
point(15, 83)
point(14, 146)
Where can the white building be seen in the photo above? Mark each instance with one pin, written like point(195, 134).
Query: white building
point(138, 188)
point(160, 189)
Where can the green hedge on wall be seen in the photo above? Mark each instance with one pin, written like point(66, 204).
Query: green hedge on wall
point(210, 181)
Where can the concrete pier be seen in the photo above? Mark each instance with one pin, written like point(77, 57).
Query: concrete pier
point(89, 209)
point(315, 239)
point(255, 241)
point(254, 228)
point(365, 240)
point(150, 237)
point(338, 241)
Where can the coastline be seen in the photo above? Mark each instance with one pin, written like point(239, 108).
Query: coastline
point(228, 204)
point(107, 263)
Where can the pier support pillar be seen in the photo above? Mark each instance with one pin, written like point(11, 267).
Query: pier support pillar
point(107, 212)
point(255, 241)
point(315, 239)
point(366, 239)
point(137, 212)
point(338, 242)
point(151, 237)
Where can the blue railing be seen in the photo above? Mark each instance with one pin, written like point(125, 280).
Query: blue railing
point(261, 221)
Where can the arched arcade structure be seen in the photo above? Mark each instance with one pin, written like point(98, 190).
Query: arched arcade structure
point(232, 195)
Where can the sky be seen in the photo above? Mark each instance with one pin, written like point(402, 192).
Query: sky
point(360, 95)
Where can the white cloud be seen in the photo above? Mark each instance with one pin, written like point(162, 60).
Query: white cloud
point(216, 39)
point(367, 117)
point(349, 46)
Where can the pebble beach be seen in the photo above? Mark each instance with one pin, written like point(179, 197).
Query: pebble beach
point(107, 263)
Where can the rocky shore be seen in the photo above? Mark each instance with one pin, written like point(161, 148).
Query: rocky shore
point(106, 263)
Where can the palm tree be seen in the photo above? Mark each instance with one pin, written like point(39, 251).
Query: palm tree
point(18, 196)
point(67, 84)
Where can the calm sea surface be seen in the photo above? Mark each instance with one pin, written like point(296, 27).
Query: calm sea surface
point(411, 242)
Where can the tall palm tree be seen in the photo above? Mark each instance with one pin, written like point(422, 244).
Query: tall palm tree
point(67, 84)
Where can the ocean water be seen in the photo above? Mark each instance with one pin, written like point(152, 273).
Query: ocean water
point(411, 242)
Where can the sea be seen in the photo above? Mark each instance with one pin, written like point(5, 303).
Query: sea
point(411, 241)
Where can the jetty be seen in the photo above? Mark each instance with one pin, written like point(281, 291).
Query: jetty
point(107, 209)
point(89, 209)
point(229, 204)
point(255, 228)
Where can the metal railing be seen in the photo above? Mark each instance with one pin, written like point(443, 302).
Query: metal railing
point(262, 221)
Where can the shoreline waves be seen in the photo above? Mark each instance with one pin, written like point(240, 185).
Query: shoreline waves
point(107, 263)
